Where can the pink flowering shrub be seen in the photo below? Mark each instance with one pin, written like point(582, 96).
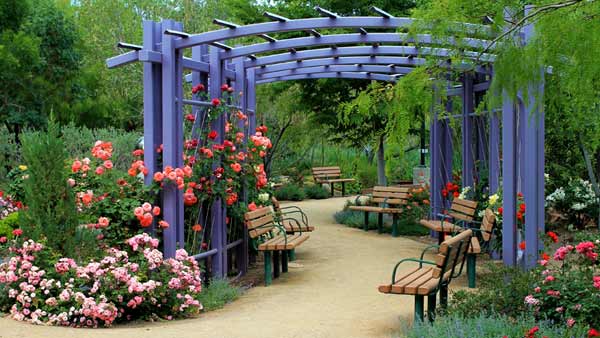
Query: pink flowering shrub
point(568, 291)
point(133, 283)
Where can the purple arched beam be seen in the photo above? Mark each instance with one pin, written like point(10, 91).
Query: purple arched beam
point(348, 39)
point(351, 60)
point(358, 51)
point(332, 75)
point(340, 68)
point(308, 24)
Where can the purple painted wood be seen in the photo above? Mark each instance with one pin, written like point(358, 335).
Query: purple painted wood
point(347, 60)
point(347, 39)
point(240, 87)
point(332, 75)
point(509, 181)
point(251, 101)
point(533, 178)
point(467, 131)
point(435, 160)
point(179, 137)
point(357, 51)
point(494, 152)
point(307, 24)
point(218, 211)
point(169, 135)
point(123, 59)
point(448, 152)
point(342, 68)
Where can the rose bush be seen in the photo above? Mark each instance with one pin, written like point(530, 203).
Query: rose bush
point(128, 283)
point(568, 288)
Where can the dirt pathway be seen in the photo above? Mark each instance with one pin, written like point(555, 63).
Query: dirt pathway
point(330, 291)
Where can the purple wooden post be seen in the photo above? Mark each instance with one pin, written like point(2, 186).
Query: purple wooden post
point(494, 155)
point(447, 143)
point(434, 151)
point(509, 181)
point(251, 101)
point(240, 87)
point(467, 131)
point(533, 173)
point(180, 224)
point(169, 134)
point(219, 228)
point(152, 105)
point(199, 53)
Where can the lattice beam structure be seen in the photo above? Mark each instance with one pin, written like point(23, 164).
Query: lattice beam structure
point(364, 55)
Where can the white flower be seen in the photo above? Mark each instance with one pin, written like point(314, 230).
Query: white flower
point(463, 193)
point(578, 206)
point(493, 199)
point(263, 197)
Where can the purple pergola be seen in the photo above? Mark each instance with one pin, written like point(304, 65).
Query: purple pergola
point(516, 130)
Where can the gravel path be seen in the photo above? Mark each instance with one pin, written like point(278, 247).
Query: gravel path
point(330, 291)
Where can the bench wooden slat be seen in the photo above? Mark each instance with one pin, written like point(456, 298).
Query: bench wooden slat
point(257, 213)
point(325, 168)
point(259, 232)
point(389, 194)
point(466, 203)
point(463, 209)
point(389, 200)
point(258, 222)
point(412, 288)
point(452, 241)
point(392, 189)
point(460, 216)
point(366, 208)
point(487, 224)
point(399, 285)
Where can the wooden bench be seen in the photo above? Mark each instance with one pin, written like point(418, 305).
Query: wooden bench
point(436, 276)
point(291, 217)
point(454, 220)
point(384, 200)
point(330, 175)
point(270, 237)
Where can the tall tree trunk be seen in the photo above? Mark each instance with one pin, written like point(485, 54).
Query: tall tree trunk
point(381, 179)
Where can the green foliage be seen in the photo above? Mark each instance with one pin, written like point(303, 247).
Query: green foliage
point(366, 174)
point(12, 13)
point(217, 294)
point(316, 192)
point(81, 138)
point(8, 224)
point(490, 326)
point(51, 212)
point(10, 156)
point(290, 192)
point(492, 297)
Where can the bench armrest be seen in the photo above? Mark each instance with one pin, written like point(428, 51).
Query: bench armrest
point(279, 224)
point(292, 209)
point(359, 196)
point(420, 261)
point(433, 246)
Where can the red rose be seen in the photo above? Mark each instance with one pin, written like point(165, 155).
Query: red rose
point(500, 210)
point(215, 102)
point(224, 87)
point(519, 194)
point(522, 207)
point(522, 245)
point(519, 216)
point(593, 333)
point(455, 194)
point(197, 88)
point(190, 117)
point(212, 135)
point(553, 236)
point(17, 232)
point(444, 192)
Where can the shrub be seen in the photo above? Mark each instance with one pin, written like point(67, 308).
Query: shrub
point(9, 154)
point(290, 192)
point(492, 326)
point(567, 286)
point(8, 224)
point(366, 175)
point(355, 219)
point(492, 297)
point(51, 211)
point(132, 283)
point(316, 192)
point(218, 293)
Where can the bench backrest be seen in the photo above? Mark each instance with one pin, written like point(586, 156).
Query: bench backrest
point(487, 225)
point(324, 173)
point(463, 210)
point(390, 195)
point(451, 256)
point(259, 221)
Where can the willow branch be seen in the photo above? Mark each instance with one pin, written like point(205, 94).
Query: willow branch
point(525, 19)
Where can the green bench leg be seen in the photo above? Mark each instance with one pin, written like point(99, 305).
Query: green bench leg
point(268, 268)
point(441, 236)
point(419, 304)
point(431, 307)
point(380, 223)
point(284, 261)
point(276, 270)
point(292, 255)
point(444, 296)
point(395, 225)
point(343, 189)
point(332, 189)
point(471, 265)
point(366, 226)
